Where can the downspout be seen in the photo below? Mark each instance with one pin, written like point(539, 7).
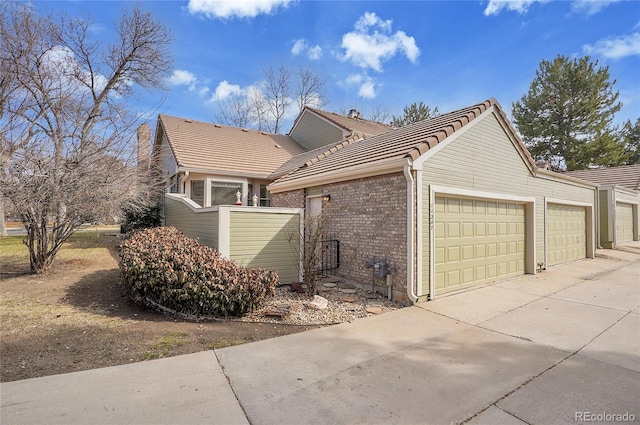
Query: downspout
point(182, 189)
point(410, 232)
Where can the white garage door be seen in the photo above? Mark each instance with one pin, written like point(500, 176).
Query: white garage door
point(624, 222)
point(477, 241)
point(567, 233)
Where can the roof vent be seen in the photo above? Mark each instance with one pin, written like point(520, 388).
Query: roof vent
point(189, 121)
point(353, 113)
point(217, 126)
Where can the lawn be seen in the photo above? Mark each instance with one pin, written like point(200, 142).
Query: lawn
point(77, 317)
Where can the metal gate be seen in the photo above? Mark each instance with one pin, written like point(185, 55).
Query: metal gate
point(330, 254)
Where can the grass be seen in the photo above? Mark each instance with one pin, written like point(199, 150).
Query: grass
point(166, 345)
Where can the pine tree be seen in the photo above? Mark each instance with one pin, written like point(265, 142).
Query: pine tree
point(565, 118)
point(414, 113)
point(631, 135)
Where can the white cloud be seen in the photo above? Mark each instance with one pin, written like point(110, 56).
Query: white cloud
point(591, 7)
point(615, 48)
point(301, 46)
point(224, 90)
point(235, 9)
point(372, 43)
point(366, 85)
point(521, 6)
point(182, 78)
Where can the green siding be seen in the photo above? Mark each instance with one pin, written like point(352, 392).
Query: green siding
point(202, 225)
point(484, 159)
point(606, 234)
point(260, 239)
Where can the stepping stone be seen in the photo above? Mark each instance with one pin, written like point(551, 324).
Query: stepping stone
point(334, 279)
point(370, 296)
point(374, 304)
point(348, 291)
point(324, 289)
point(344, 285)
point(374, 310)
point(329, 284)
point(347, 298)
point(277, 311)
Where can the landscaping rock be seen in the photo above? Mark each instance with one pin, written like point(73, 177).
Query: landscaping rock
point(374, 310)
point(319, 303)
point(347, 298)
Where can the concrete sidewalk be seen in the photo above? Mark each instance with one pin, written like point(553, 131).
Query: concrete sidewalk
point(551, 348)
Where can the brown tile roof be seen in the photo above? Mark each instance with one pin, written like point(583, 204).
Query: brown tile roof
point(353, 125)
point(223, 149)
point(310, 157)
point(627, 176)
point(405, 142)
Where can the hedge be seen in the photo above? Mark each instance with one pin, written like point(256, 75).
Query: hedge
point(176, 272)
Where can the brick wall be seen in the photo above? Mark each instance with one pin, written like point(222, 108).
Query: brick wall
point(369, 217)
point(291, 199)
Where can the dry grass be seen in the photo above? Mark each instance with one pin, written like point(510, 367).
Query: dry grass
point(77, 318)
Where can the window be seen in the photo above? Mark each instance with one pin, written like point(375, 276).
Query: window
point(223, 193)
point(197, 192)
point(265, 196)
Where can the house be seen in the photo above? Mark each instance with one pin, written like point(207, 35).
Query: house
point(619, 200)
point(445, 204)
point(210, 163)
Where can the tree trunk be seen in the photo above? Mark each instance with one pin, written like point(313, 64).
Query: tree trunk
point(3, 223)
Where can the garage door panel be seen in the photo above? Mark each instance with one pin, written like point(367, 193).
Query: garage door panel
point(624, 222)
point(567, 233)
point(484, 240)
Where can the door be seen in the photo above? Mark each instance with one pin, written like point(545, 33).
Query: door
point(477, 241)
point(567, 233)
point(624, 222)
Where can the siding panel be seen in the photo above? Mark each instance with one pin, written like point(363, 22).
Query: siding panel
point(263, 240)
point(483, 158)
point(202, 226)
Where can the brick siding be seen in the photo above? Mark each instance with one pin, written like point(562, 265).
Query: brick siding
point(369, 217)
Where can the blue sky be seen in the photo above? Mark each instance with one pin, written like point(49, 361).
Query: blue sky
point(379, 54)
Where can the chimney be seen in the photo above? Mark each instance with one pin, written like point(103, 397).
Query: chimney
point(353, 113)
point(144, 146)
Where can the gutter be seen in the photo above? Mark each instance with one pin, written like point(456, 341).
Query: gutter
point(410, 231)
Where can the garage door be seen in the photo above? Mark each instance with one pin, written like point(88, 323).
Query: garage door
point(477, 241)
point(567, 232)
point(624, 222)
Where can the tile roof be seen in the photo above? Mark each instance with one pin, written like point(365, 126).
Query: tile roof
point(311, 156)
point(406, 142)
point(353, 125)
point(223, 149)
point(627, 176)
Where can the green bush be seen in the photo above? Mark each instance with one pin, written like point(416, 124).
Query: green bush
point(140, 216)
point(170, 269)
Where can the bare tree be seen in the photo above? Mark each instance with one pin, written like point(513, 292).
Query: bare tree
point(309, 89)
point(67, 155)
point(266, 106)
point(277, 95)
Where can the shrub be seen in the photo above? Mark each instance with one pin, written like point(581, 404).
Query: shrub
point(170, 269)
point(140, 216)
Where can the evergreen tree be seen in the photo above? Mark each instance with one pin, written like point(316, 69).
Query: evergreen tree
point(565, 118)
point(631, 137)
point(414, 113)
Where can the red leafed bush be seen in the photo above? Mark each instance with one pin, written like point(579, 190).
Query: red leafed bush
point(174, 271)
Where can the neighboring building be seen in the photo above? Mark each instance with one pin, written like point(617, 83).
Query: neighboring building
point(619, 201)
point(210, 163)
point(451, 202)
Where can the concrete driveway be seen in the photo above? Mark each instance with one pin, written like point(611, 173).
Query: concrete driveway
point(559, 347)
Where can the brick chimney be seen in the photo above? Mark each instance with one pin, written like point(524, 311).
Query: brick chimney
point(144, 146)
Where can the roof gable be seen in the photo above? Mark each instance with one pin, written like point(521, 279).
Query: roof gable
point(215, 148)
point(400, 144)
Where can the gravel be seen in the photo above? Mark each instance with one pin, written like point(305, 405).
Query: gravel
point(345, 304)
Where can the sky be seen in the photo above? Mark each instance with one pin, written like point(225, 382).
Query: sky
point(376, 55)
